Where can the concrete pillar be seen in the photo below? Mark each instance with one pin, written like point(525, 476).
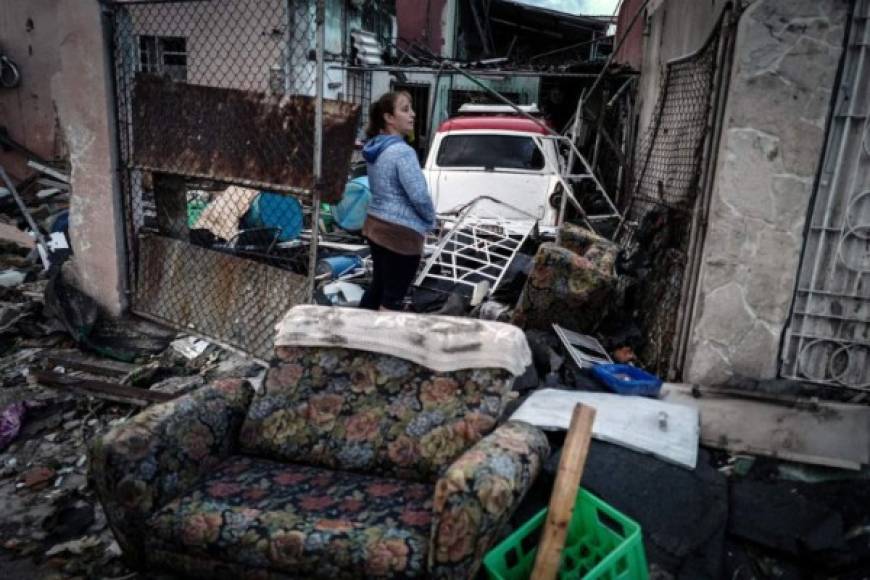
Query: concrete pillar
point(85, 105)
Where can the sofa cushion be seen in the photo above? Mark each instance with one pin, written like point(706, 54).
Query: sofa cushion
point(305, 521)
point(368, 412)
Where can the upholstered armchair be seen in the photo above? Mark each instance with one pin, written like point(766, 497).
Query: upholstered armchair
point(373, 450)
point(572, 283)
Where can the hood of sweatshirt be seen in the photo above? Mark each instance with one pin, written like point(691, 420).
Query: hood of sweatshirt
point(377, 145)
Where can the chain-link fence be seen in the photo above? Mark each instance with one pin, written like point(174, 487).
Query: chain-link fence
point(659, 209)
point(220, 112)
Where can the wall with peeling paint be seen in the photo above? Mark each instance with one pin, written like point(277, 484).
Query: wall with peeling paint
point(785, 63)
point(28, 35)
point(63, 108)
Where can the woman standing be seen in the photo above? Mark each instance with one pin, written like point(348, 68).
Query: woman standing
point(400, 211)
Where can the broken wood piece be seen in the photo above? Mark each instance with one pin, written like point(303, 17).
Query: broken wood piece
point(52, 183)
point(50, 171)
point(23, 208)
point(10, 233)
point(100, 389)
point(74, 360)
point(568, 476)
point(46, 193)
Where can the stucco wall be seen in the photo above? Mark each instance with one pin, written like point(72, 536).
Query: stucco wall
point(785, 63)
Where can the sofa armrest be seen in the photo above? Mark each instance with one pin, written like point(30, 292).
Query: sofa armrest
point(478, 493)
point(142, 464)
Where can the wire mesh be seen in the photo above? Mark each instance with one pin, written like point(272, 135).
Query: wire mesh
point(659, 209)
point(216, 118)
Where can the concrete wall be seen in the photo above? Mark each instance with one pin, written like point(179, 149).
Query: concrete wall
point(64, 104)
point(785, 63)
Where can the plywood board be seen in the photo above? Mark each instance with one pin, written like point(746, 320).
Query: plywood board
point(665, 430)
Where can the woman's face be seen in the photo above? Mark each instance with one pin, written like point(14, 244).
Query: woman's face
point(401, 122)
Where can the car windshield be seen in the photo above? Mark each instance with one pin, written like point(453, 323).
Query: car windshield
point(490, 152)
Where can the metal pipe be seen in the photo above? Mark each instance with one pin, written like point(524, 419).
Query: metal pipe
point(318, 147)
point(482, 73)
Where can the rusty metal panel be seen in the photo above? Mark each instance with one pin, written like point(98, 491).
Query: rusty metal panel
point(245, 137)
point(232, 300)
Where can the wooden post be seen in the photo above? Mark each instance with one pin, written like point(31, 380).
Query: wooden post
point(564, 493)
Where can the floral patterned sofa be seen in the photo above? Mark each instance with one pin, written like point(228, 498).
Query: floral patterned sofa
point(349, 463)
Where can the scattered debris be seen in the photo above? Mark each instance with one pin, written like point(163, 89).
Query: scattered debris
point(37, 476)
point(584, 350)
point(343, 293)
point(10, 233)
point(190, 347)
point(109, 391)
point(11, 418)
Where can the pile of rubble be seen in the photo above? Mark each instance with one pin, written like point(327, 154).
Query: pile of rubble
point(68, 374)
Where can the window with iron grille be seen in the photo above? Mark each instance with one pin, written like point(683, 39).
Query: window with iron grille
point(164, 56)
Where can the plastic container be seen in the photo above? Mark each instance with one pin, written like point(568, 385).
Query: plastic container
point(350, 212)
point(627, 380)
point(275, 210)
point(338, 266)
point(601, 543)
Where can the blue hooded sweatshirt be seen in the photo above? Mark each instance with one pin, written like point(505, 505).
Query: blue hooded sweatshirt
point(399, 191)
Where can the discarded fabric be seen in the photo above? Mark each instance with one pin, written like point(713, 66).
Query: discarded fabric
point(441, 343)
point(11, 418)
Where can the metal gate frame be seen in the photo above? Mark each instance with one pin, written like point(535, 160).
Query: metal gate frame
point(827, 338)
point(242, 327)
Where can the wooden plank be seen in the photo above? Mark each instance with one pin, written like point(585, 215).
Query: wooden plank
point(820, 433)
point(100, 389)
point(10, 233)
point(664, 429)
point(50, 171)
point(74, 360)
point(568, 476)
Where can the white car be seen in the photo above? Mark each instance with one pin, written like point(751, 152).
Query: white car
point(493, 153)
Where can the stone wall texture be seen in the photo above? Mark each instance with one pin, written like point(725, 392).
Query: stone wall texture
point(785, 64)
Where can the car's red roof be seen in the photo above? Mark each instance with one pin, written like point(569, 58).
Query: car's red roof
point(492, 123)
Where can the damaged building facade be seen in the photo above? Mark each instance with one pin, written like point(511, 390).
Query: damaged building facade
point(739, 310)
point(768, 288)
point(203, 158)
point(776, 279)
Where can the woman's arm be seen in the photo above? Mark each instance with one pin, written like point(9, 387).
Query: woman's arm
point(414, 184)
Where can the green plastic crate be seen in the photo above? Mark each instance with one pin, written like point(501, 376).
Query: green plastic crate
point(601, 543)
